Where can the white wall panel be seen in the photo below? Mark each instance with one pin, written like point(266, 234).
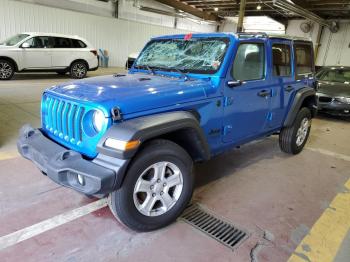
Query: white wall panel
point(335, 47)
point(120, 37)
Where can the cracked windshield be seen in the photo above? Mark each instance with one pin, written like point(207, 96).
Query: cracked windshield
point(197, 55)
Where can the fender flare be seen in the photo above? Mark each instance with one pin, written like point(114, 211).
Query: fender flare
point(299, 98)
point(152, 126)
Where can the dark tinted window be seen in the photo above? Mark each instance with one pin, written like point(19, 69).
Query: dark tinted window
point(249, 63)
point(303, 59)
point(61, 42)
point(40, 42)
point(281, 60)
point(78, 43)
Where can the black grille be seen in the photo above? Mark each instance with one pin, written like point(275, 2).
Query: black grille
point(214, 227)
point(324, 99)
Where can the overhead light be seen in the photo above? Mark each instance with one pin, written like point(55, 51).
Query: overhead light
point(258, 7)
point(216, 9)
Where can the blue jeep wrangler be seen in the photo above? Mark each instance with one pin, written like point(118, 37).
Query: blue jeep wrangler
point(134, 137)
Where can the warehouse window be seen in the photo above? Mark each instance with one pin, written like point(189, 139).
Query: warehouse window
point(281, 60)
point(249, 63)
point(303, 59)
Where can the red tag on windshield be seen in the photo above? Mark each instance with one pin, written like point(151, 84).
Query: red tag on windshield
point(188, 36)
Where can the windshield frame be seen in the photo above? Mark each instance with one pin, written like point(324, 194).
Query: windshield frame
point(25, 36)
point(225, 39)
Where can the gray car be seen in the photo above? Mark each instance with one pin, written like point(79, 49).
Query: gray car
point(334, 90)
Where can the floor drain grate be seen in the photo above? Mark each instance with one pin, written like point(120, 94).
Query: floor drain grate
point(214, 227)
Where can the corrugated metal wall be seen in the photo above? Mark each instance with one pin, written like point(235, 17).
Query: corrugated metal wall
point(120, 37)
point(335, 47)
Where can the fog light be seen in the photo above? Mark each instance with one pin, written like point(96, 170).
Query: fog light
point(81, 180)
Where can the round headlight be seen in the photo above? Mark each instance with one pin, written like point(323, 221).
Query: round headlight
point(98, 120)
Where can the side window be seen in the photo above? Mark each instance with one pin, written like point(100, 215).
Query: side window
point(78, 43)
point(40, 42)
point(303, 59)
point(249, 63)
point(281, 60)
point(61, 42)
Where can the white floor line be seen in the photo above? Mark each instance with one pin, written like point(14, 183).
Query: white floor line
point(41, 227)
point(329, 153)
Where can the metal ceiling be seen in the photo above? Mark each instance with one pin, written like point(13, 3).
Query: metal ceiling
point(216, 9)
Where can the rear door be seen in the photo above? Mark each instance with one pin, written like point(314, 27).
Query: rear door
point(304, 63)
point(282, 79)
point(246, 106)
point(62, 52)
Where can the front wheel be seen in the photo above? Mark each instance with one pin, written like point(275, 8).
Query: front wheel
point(7, 69)
point(293, 139)
point(156, 189)
point(78, 70)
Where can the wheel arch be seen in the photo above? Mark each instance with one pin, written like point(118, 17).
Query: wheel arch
point(181, 127)
point(11, 60)
point(305, 97)
point(80, 60)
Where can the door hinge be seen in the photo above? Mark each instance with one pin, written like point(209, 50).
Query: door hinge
point(228, 100)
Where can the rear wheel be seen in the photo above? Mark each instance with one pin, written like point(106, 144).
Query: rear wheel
point(156, 189)
point(78, 70)
point(293, 139)
point(7, 69)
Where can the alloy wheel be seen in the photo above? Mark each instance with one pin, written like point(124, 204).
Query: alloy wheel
point(79, 70)
point(158, 188)
point(302, 131)
point(6, 70)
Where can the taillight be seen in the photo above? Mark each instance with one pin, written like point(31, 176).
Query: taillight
point(94, 52)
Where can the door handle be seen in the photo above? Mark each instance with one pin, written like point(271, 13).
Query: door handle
point(289, 88)
point(264, 93)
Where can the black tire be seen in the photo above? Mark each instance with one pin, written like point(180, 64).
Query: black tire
point(78, 70)
point(61, 73)
point(289, 135)
point(121, 202)
point(7, 69)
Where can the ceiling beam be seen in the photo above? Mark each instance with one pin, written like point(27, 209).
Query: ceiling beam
point(190, 10)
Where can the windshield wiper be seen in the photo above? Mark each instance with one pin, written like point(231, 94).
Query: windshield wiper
point(150, 69)
point(179, 70)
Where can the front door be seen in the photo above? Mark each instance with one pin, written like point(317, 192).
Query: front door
point(38, 54)
point(247, 94)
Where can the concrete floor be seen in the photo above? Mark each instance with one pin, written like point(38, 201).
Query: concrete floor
point(257, 187)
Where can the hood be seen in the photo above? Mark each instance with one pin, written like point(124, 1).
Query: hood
point(134, 92)
point(5, 47)
point(334, 89)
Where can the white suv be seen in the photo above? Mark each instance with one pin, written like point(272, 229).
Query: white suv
point(47, 52)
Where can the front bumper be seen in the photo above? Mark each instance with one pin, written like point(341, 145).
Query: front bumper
point(334, 108)
point(97, 177)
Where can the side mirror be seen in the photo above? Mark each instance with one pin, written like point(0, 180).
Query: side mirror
point(25, 45)
point(234, 83)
